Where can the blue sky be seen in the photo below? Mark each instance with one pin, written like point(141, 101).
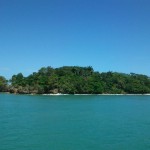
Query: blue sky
point(109, 35)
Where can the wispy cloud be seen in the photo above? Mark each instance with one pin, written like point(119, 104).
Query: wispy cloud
point(4, 69)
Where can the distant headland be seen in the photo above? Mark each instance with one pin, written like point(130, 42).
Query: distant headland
point(75, 80)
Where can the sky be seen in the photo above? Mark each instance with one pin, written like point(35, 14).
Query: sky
point(109, 35)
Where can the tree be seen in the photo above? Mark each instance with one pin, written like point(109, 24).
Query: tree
point(75, 79)
point(3, 84)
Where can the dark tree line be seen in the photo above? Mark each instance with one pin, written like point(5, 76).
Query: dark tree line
point(3, 84)
point(76, 80)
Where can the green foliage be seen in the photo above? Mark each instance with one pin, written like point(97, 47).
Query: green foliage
point(77, 80)
point(3, 84)
point(18, 80)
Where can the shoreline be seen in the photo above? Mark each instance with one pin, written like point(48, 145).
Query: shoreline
point(60, 94)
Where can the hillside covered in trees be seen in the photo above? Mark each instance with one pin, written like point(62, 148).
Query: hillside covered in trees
point(76, 80)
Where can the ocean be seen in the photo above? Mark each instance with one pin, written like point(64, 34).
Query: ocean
point(74, 122)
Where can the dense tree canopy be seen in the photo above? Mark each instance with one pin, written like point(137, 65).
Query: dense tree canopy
point(76, 80)
point(3, 84)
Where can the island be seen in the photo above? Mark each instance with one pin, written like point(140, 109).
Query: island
point(75, 80)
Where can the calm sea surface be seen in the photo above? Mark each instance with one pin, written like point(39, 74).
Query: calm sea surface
point(74, 122)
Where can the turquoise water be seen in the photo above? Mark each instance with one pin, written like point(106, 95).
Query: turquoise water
point(74, 122)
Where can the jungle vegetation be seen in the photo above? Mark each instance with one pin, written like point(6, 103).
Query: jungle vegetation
point(76, 80)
